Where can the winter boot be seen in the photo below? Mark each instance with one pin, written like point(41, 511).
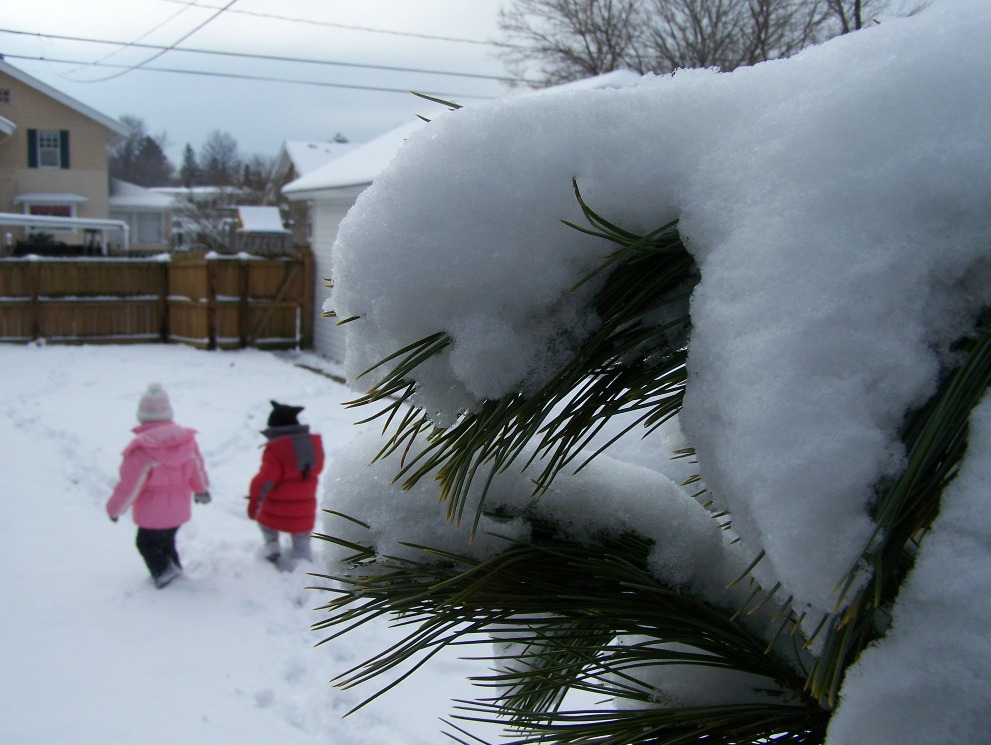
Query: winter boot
point(168, 574)
point(271, 549)
point(301, 547)
point(272, 553)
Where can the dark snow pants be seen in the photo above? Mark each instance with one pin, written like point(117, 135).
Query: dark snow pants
point(157, 548)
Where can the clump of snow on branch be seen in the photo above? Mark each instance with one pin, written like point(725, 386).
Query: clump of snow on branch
point(837, 206)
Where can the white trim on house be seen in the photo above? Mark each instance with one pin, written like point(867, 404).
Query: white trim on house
point(117, 128)
point(49, 197)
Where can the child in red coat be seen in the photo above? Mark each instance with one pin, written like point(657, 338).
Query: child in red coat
point(283, 494)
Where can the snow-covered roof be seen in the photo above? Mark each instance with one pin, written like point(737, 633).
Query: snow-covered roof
point(260, 220)
point(7, 127)
point(306, 156)
point(195, 190)
point(115, 127)
point(125, 195)
point(194, 194)
point(360, 166)
point(356, 168)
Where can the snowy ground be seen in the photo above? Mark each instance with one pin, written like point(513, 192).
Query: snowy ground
point(92, 652)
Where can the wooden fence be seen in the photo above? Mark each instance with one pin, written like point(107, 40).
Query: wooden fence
point(221, 302)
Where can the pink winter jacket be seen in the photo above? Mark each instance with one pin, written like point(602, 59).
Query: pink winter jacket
point(162, 468)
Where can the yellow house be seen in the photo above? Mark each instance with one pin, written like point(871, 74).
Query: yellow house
point(54, 175)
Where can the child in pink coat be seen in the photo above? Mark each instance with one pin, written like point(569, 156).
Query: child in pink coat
point(162, 469)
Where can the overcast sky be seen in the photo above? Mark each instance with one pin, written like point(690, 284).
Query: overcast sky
point(260, 114)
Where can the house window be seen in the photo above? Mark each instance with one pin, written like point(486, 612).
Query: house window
point(48, 148)
point(51, 210)
point(4, 95)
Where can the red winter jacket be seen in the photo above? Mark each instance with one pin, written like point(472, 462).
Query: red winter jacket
point(283, 494)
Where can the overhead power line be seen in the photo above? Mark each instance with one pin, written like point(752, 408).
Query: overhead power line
point(163, 50)
point(238, 76)
point(250, 55)
point(147, 33)
point(348, 27)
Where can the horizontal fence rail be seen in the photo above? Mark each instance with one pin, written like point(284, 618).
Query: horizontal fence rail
point(209, 302)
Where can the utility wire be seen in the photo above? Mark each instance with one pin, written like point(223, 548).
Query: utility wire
point(131, 68)
point(368, 29)
point(237, 76)
point(186, 6)
point(248, 55)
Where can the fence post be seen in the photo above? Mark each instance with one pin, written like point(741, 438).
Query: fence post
point(33, 285)
point(164, 302)
point(242, 304)
point(211, 303)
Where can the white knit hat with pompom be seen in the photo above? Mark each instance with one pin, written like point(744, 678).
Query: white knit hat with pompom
point(155, 405)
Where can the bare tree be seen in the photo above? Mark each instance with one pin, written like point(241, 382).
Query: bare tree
point(848, 13)
point(255, 175)
point(573, 38)
point(698, 33)
point(780, 29)
point(556, 41)
point(220, 160)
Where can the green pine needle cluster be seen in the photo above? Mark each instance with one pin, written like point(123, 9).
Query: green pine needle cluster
point(582, 618)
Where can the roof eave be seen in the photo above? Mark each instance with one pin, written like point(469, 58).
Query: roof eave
point(330, 193)
point(115, 127)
